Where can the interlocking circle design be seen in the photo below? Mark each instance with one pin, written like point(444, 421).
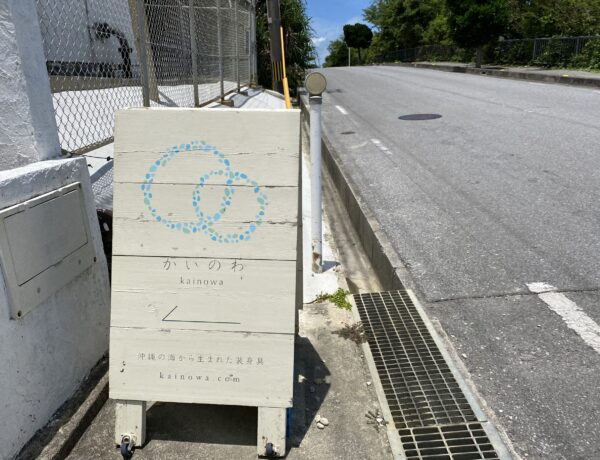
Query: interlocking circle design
point(207, 223)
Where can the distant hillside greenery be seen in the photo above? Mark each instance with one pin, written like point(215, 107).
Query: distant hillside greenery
point(401, 24)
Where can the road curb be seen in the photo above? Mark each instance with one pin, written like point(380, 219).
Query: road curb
point(511, 74)
point(58, 438)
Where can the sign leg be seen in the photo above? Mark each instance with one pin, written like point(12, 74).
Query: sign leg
point(130, 417)
point(271, 432)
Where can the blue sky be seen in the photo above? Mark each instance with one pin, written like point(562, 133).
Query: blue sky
point(329, 17)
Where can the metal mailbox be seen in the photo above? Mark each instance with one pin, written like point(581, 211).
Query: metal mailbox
point(45, 243)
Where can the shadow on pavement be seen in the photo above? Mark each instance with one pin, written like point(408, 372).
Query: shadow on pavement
point(311, 385)
point(202, 423)
point(236, 425)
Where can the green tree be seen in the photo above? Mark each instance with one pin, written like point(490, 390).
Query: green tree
point(299, 49)
point(406, 23)
point(547, 18)
point(475, 23)
point(338, 54)
point(358, 36)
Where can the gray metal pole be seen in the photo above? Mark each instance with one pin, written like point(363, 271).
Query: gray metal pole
point(220, 43)
point(194, 43)
point(143, 56)
point(237, 44)
point(316, 187)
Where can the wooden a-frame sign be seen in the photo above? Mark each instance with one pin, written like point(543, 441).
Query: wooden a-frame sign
point(205, 252)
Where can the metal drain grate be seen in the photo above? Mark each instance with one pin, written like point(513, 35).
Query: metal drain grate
point(419, 385)
point(451, 442)
point(430, 411)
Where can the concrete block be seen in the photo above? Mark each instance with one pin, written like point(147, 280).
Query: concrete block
point(46, 354)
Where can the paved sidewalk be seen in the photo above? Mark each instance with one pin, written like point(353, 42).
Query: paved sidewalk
point(540, 74)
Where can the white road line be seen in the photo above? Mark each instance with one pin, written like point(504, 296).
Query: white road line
point(571, 314)
point(341, 109)
point(381, 147)
point(596, 91)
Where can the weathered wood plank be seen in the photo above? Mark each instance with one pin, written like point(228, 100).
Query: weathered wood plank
point(265, 148)
point(176, 202)
point(204, 294)
point(275, 241)
point(189, 167)
point(201, 367)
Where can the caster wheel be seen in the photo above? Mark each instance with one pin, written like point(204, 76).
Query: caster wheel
point(270, 450)
point(126, 449)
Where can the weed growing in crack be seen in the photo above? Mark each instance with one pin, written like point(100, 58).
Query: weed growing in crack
point(338, 298)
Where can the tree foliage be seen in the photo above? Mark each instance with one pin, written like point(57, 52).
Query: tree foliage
point(474, 23)
point(407, 23)
point(548, 18)
point(471, 23)
point(299, 49)
point(338, 54)
point(358, 36)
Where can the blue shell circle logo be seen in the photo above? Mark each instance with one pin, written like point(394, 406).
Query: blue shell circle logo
point(207, 223)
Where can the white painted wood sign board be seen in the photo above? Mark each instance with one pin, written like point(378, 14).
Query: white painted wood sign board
point(206, 209)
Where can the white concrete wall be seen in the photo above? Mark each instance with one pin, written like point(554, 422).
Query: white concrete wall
point(45, 355)
point(27, 125)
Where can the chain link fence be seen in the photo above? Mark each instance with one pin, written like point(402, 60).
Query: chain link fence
point(549, 52)
point(106, 55)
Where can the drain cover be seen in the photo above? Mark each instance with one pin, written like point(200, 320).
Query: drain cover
point(433, 416)
point(420, 386)
point(420, 116)
point(452, 442)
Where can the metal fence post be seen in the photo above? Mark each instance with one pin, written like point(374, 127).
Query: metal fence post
point(194, 43)
point(237, 44)
point(141, 17)
point(220, 46)
point(253, 58)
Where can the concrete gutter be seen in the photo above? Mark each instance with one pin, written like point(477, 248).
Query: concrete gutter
point(544, 77)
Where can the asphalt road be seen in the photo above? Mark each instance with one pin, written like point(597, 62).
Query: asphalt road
point(499, 190)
